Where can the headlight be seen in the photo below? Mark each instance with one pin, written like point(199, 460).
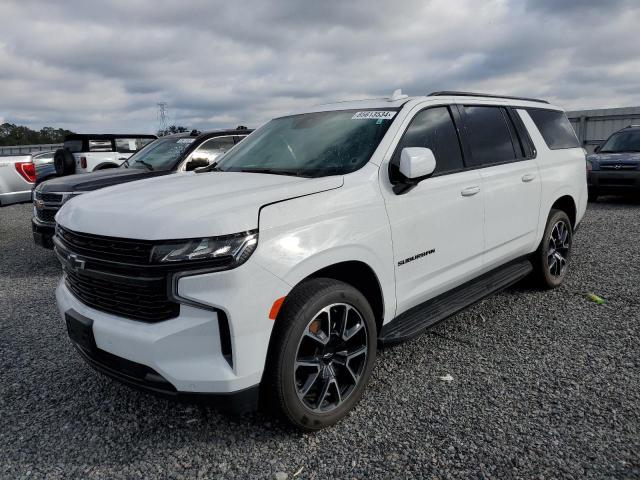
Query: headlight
point(228, 250)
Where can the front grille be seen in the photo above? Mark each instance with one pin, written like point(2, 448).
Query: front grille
point(114, 275)
point(618, 166)
point(46, 214)
point(138, 298)
point(110, 249)
point(49, 197)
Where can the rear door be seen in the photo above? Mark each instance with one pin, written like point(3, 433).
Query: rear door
point(503, 155)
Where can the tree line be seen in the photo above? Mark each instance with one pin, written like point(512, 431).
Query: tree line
point(11, 134)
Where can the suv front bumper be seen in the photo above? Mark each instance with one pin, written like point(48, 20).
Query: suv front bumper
point(42, 233)
point(614, 181)
point(183, 356)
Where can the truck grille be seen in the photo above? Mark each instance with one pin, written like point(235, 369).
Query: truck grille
point(49, 197)
point(114, 275)
point(136, 298)
point(110, 249)
point(46, 215)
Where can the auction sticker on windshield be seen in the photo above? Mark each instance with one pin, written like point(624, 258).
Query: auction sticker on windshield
point(374, 114)
point(186, 140)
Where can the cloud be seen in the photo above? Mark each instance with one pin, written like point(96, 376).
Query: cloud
point(218, 64)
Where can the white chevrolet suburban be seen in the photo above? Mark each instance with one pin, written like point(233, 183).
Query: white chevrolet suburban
point(276, 273)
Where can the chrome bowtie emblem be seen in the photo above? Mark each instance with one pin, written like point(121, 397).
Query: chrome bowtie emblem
point(618, 166)
point(74, 262)
point(39, 204)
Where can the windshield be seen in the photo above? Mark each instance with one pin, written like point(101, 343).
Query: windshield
point(622, 142)
point(160, 154)
point(312, 144)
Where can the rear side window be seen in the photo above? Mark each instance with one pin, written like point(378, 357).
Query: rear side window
point(555, 128)
point(213, 148)
point(489, 136)
point(432, 128)
point(130, 145)
point(100, 146)
point(74, 146)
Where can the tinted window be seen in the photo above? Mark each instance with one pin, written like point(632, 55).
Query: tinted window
point(73, 145)
point(555, 128)
point(489, 136)
point(432, 128)
point(100, 146)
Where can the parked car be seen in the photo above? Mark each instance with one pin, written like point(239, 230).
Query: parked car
point(169, 154)
point(82, 153)
point(17, 177)
point(45, 169)
point(279, 270)
point(614, 167)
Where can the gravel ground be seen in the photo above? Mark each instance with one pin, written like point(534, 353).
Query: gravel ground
point(544, 385)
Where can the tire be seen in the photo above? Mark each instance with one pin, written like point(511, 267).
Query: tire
point(593, 194)
point(300, 368)
point(64, 162)
point(551, 259)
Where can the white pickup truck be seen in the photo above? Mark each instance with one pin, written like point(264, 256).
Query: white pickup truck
point(17, 178)
point(83, 153)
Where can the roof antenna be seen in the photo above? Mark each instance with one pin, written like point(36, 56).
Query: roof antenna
point(397, 95)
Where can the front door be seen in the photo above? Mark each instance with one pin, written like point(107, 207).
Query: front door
point(437, 227)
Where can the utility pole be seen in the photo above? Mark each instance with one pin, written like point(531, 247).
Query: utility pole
point(162, 116)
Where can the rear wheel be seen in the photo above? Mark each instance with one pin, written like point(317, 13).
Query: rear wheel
point(551, 260)
point(322, 353)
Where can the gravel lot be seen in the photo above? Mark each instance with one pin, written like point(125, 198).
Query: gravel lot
point(545, 385)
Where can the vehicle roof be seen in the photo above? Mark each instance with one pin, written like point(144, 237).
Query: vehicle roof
point(436, 98)
point(106, 136)
point(211, 133)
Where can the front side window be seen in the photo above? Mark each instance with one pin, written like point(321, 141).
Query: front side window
point(213, 148)
point(432, 128)
point(162, 154)
point(311, 144)
point(628, 141)
point(489, 136)
point(555, 128)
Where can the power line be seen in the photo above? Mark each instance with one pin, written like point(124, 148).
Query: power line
point(162, 116)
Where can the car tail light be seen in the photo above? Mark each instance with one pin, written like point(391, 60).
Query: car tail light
point(27, 170)
point(83, 162)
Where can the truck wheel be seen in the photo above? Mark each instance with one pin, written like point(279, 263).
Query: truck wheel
point(593, 194)
point(64, 162)
point(551, 259)
point(322, 353)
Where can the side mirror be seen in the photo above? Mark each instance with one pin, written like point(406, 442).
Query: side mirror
point(416, 164)
point(597, 149)
point(197, 162)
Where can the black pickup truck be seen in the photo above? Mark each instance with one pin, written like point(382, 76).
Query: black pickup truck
point(166, 155)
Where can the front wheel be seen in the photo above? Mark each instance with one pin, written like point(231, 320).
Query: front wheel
point(551, 260)
point(322, 353)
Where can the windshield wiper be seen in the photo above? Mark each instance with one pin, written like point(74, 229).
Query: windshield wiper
point(274, 171)
point(149, 166)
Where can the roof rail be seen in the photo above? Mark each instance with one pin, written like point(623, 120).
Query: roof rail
point(486, 95)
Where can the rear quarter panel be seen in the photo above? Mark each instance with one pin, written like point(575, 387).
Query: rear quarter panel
point(562, 172)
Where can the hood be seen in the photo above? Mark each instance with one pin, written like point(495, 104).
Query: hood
point(622, 157)
point(86, 182)
point(185, 205)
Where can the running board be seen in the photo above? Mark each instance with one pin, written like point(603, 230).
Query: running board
point(417, 319)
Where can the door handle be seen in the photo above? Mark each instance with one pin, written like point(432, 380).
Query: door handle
point(469, 191)
point(527, 177)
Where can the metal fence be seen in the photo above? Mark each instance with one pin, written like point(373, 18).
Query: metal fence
point(594, 126)
point(26, 149)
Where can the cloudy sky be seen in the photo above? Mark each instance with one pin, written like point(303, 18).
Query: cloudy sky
point(104, 66)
